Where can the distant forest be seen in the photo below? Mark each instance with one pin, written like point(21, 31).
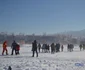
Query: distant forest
point(28, 39)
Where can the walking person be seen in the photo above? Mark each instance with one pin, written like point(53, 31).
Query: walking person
point(14, 45)
point(5, 48)
point(39, 47)
point(62, 48)
point(34, 48)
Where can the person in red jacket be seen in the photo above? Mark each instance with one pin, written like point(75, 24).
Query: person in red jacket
point(5, 48)
point(17, 49)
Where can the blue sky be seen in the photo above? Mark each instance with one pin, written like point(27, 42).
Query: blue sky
point(41, 16)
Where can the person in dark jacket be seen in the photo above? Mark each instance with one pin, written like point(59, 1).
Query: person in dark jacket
point(14, 45)
point(52, 48)
point(34, 48)
point(62, 48)
point(39, 47)
point(58, 47)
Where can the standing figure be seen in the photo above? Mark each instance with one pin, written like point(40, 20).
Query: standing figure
point(80, 46)
point(14, 45)
point(39, 47)
point(83, 47)
point(17, 49)
point(34, 48)
point(52, 48)
point(43, 48)
point(5, 48)
point(48, 48)
point(58, 47)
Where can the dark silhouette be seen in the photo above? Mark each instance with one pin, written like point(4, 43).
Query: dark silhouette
point(39, 47)
point(70, 47)
point(62, 48)
point(48, 48)
point(80, 46)
point(14, 45)
point(83, 46)
point(52, 48)
point(17, 49)
point(34, 48)
point(57, 47)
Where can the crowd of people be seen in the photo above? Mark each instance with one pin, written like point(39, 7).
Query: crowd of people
point(46, 48)
point(54, 48)
point(36, 48)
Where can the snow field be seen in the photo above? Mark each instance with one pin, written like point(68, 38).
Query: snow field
point(46, 61)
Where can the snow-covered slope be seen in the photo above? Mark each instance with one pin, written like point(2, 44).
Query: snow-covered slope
point(46, 61)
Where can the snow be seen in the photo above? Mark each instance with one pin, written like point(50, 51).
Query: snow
point(46, 61)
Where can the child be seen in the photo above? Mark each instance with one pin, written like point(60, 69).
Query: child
point(17, 49)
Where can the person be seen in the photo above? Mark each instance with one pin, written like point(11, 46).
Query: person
point(34, 48)
point(5, 48)
point(48, 48)
point(52, 48)
point(80, 46)
point(62, 48)
point(17, 49)
point(43, 48)
point(57, 47)
point(83, 47)
point(71, 46)
point(39, 47)
point(14, 44)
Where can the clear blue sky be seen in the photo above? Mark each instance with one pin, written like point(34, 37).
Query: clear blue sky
point(40, 16)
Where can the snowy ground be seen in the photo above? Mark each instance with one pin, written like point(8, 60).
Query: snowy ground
point(46, 61)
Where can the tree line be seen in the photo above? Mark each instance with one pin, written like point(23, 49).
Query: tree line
point(21, 38)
